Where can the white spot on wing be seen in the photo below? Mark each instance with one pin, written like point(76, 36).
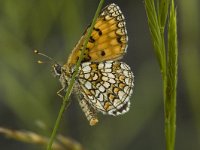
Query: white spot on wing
point(86, 69)
point(108, 65)
point(111, 75)
point(102, 89)
point(104, 78)
point(100, 98)
point(111, 81)
point(87, 75)
point(95, 77)
point(101, 66)
point(88, 85)
point(106, 84)
point(121, 94)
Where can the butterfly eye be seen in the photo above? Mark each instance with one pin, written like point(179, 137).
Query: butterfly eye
point(57, 69)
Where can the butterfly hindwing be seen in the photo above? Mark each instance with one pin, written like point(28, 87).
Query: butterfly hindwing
point(107, 86)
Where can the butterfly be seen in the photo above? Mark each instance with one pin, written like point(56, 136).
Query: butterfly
point(103, 83)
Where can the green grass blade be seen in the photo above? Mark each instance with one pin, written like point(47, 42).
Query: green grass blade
point(154, 29)
point(172, 66)
point(72, 81)
point(167, 60)
point(163, 7)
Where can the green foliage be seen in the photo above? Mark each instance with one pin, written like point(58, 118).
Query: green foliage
point(172, 67)
point(166, 58)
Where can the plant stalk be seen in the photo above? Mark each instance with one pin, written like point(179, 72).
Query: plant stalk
point(72, 81)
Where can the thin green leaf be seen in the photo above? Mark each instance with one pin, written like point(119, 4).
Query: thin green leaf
point(72, 81)
point(154, 29)
point(172, 66)
point(157, 19)
point(163, 7)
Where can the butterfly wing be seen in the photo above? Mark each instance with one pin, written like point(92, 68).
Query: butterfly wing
point(107, 86)
point(108, 40)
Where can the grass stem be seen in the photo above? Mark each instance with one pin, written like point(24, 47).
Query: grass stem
point(167, 59)
point(72, 81)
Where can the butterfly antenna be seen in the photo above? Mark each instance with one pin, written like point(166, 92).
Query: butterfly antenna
point(41, 62)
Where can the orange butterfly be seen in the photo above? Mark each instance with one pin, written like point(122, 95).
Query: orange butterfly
point(103, 84)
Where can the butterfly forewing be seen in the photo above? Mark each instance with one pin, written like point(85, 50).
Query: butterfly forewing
point(108, 40)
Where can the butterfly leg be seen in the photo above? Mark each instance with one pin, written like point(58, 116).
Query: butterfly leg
point(59, 92)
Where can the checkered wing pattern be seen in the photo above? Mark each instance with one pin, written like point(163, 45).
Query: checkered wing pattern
point(107, 86)
point(108, 40)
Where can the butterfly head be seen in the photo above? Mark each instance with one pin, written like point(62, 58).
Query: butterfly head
point(57, 69)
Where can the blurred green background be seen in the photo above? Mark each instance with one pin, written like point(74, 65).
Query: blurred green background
point(28, 90)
